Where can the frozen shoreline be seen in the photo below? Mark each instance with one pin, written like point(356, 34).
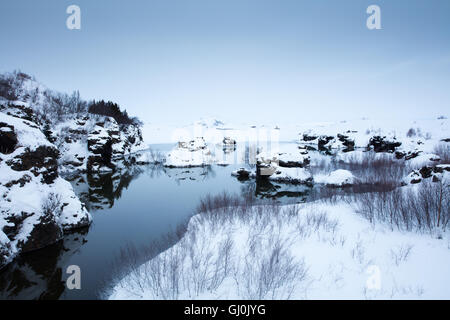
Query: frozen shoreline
point(338, 255)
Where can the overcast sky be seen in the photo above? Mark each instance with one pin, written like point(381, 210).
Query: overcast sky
point(260, 61)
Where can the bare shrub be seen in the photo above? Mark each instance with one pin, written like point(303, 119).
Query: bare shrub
point(443, 151)
point(358, 252)
point(377, 169)
point(426, 208)
point(270, 272)
point(401, 253)
point(411, 133)
point(262, 267)
point(156, 157)
point(52, 205)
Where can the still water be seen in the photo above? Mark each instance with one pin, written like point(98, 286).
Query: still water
point(138, 206)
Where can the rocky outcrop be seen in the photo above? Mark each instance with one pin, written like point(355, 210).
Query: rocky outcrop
point(279, 167)
point(96, 143)
point(41, 161)
point(324, 142)
point(327, 142)
point(347, 142)
point(37, 206)
point(188, 154)
point(382, 144)
point(407, 155)
point(229, 145)
point(8, 139)
point(242, 174)
point(436, 173)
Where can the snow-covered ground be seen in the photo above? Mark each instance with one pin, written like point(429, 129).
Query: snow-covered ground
point(429, 131)
point(322, 250)
point(316, 251)
point(337, 178)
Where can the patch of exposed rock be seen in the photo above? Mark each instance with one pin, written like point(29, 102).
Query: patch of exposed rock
point(440, 172)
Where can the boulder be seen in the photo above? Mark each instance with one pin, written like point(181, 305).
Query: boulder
point(8, 138)
point(347, 142)
point(382, 144)
point(323, 142)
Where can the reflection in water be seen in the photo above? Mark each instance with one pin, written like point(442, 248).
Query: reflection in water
point(100, 190)
point(265, 189)
point(40, 274)
point(193, 174)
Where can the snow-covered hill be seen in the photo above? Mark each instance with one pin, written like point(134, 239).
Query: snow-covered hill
point(43, 134)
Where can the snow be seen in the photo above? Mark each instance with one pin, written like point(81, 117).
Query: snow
point(290, 175)
point(336, 178)
point(345, 257)
point(428, 131)
point(185, 158)
point(31, 196)
point(192, 153)
point(27, 134)
point(423, 159)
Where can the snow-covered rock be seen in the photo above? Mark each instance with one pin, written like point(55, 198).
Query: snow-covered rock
point(278, 167)
point(36, 205)
point(283, 167)
point(194, 153)
point(228, 142)
point(437, 173)
point(85, 141)
point(337, 178)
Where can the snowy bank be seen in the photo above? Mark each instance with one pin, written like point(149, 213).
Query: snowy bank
point(316, 251)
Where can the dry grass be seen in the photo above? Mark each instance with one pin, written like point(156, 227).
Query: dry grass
point(443, 151)
point(260, 267)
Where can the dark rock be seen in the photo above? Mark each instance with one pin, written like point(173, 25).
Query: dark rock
point(381, 144)
point(407, 155)
point(294, 164)
point(22, 181)
point(399, 154)
point(8, 138)
point(44, 157)
point(243, 174)
point(426, 172)
point(45, 233)
point(348, 143)
point(101, 150)
point(19, 111)
point(307, 137)
point(323, 141)
point(16, 222)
